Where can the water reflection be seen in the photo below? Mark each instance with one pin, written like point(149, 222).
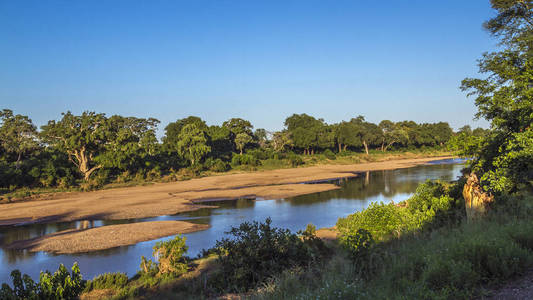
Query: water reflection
point(322, 209)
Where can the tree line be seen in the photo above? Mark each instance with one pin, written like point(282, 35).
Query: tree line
point(97, 149)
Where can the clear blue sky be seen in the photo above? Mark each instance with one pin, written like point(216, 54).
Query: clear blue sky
point(259, 60)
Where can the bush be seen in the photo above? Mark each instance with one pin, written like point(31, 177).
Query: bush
point(329, 154)
point(107, 281)
point(429, 208)
point(244, 159)
point(256, 252)
point(170, 256)
point(60, 285)
point(295, 160)
point(219, 166)
point(260, 153)
point(381, 220)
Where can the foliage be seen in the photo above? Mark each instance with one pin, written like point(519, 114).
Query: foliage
point(91, 150)
point(170, 257)
point(241, 140)
point(295, 160)
point(60, 285)
point(192, 143)
point(429, 206)
point(329, 154)
point(18, 135)
point(107, 281)
point(504, 98)
point(257, 251)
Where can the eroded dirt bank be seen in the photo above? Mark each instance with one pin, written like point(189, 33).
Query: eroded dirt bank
point(171, 198)
point(105, 237)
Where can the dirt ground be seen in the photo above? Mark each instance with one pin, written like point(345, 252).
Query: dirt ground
point(174, 197)
point(516, 289)
point(105, 237)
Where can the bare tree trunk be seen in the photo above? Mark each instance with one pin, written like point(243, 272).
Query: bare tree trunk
point(366, 147)
point(17, 164)
point(345, 146)
point(312, 151)
point(340, 148)
point(83, 162)
point(390, 144)
point(383, 147)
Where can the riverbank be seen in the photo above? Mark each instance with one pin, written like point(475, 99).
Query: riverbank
point(175, 197)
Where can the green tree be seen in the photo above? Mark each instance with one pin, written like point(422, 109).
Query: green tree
point(392, 133)
point(369, 133)
point(18, 135)
point(504, 97)
point(308, 132)
point(238, 125)
point(347, 135)
point(261, 135)
point(241, 140)
point(281, 140)
point(173, 130)
point(192, 143)
point(220, 142)
point(82, 137)
point(130, 141)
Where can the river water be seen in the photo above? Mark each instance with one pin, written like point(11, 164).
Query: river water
point(322, 209)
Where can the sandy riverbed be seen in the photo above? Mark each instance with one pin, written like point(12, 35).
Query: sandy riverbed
point(105, 237)
point(174, 197)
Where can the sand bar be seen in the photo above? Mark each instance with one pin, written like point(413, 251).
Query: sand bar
point(174, 197)
point(105, 237)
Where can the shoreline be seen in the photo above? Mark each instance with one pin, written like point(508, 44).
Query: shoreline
point(183, 196)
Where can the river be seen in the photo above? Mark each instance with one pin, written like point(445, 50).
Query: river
point(322, 209)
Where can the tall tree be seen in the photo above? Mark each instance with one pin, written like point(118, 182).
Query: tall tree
point(238, 125)
point(241, 140)
point(192, 143)
point(281, 140)
point(308, 132)
point(18, 135)
point(173, 130)
point(369, 133)
point(347, 135)
point(261, 135)
point(392, 133)
point(129, 142)
point(505, 98)
point(82, 137)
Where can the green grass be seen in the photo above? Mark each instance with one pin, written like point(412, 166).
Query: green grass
point(452, 262)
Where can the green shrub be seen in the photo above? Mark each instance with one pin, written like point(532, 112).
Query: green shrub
point(329, 154)
point(295, 160)
point(316, 246)
point(218, 166)
point(60, 285)
point(429, 208)
point(260, 153)
point(244, 159)
point(107, 281)
point(169, 255)
point(256, 252)
point(380, 220)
